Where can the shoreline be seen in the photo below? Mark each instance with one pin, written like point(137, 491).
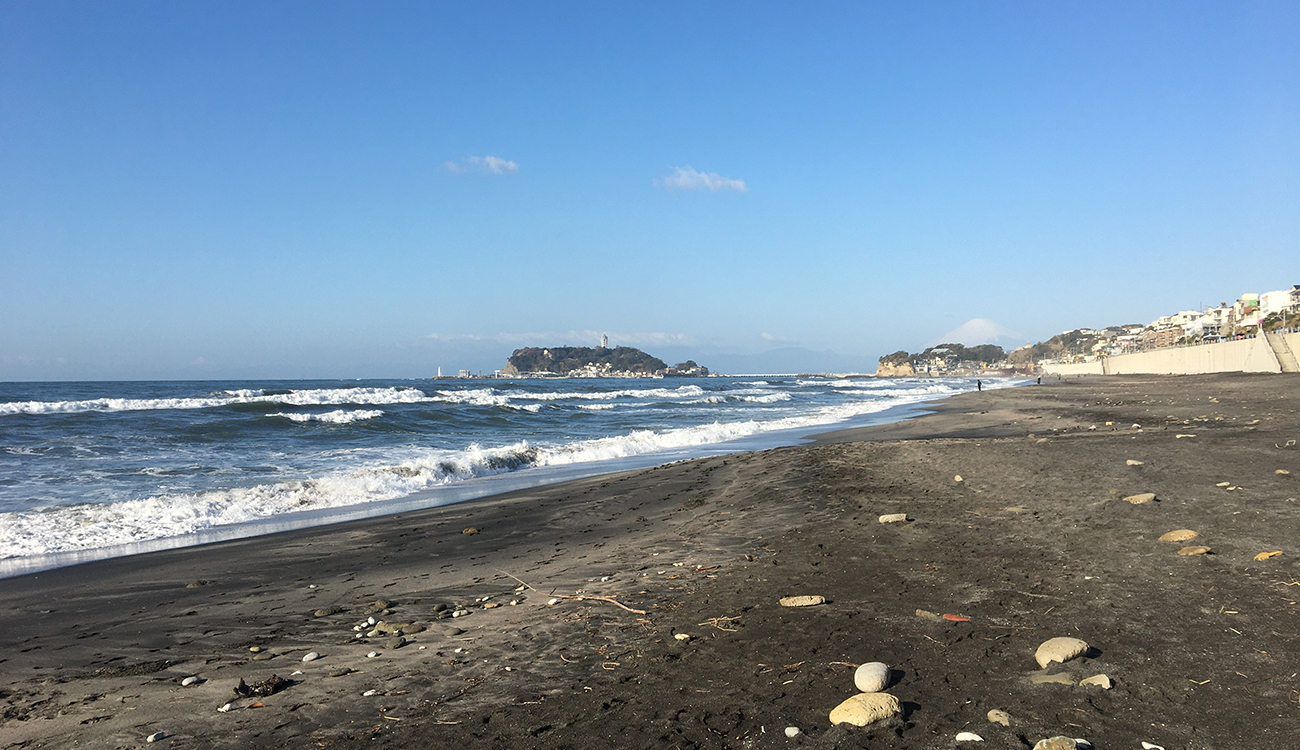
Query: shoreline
point(1031, 544)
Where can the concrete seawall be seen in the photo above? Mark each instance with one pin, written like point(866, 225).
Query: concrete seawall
point(1272, 353)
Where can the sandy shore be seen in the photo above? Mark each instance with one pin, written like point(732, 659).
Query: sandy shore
point(1035, 542)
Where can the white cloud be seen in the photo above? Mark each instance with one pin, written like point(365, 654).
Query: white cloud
point(687, 178)
point(482, 164)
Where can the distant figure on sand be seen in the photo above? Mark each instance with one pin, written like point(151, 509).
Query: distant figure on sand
point(979, 386)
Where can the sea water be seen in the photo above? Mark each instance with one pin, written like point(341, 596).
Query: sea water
point(91, 470)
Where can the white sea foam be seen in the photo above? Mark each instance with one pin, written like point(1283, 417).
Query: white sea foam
point(340, 416)
point(306, 397)
point(66, 528)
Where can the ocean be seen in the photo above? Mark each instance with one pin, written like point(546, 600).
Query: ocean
point(94, 470)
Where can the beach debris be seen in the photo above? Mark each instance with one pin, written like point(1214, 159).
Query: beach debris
point(1196, 549)
point(254, 649)
point(1178, 535)
point(1059, 678)
point(955, 618)
point(722, 623)
point(968, 737)
point(194, 680)
point(803, 601)
point(792, 732)
point(1131, 462)
point(957, 479)
point(226, 708)
point(470, 530)
point(269, 686)
point(311, 656)
point(327, 611)
point(998, 716)
point(893, 518)
point(682, 636)
point(1265, 555)
point(372, 654)
point(872, 677)
point(1283, 472)
point(1060, 649)
point(866, 708)
point(199, 583)
point(1135, 426)
point(554, 600)
point(1099, 680)
point(1138, 499)
point(1184, 435)
point(1151, 746)
point(1059, 742)
point(369, 693)
point(926, 614)
point(460, 613)
point(1223, 484)
point(257, 704)
point(155, 737)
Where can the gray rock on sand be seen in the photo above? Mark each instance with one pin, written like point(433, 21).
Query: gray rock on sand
point(872, 677)
point(998, 716)
point(155, 737)
point(1060, 649)
point(451, 630)
point(803, 601)
point(1141, 498)
point(189, 681)
point(866, 708)
point(1178, 535)
point(394, 643)
point(1057, 743)
point(893, 518)
point(311, 656)
point(1195, 549)
point(792, 731)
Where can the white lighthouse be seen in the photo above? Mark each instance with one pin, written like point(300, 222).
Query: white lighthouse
point(604, 341)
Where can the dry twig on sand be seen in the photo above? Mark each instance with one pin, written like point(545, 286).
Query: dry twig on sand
point(580, 597)
point(721, 623)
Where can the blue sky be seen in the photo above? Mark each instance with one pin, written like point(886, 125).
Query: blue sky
point(324, 189)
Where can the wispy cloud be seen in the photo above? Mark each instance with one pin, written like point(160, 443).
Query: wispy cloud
point(688, 178)
point(482, 164)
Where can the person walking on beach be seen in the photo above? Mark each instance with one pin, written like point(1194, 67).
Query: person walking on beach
point(979, 386)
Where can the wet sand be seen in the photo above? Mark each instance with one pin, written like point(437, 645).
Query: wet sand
point(1035, 542)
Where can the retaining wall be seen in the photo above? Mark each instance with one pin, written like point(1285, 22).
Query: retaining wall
point(1245, 355)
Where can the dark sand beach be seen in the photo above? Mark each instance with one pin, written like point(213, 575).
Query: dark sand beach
point(1036, 541)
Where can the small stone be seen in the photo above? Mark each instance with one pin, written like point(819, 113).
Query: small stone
point(792, 732)
point(926, 614)
point(893, 518)
point(155, 737)
point(1131, 462)
point(340, 672)
point(394, 643)
point(866, 708)
point(957, 479)
point(189, 681)
point(464, 612)
point(872, 677)
point(1151, 746)
point(1060, 649)
point(1196, 549)
point(375, 633)
point(372, 654)
point(1144, 497)
point(254, 649)
point(311, 656)
point(803, 601)
point(450, 631)
point(1100, 680)
point(1283, 472)
point(412, 629)
point(1178, 535)
point(1223, 484)
point(968, 737)
point(369, 693)
point(682, 637)
point(226, 708)
point(1057, 743)
point(1060, 678)
point(327, 611)
point(1265, 555)
point(491, 605)
point(470, 530)
point(998, 716)
point(263, 656)
point(552, 602)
